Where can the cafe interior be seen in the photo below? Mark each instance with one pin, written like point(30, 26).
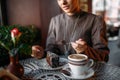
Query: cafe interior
point(37, 14)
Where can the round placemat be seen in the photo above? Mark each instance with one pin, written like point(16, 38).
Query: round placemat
point(46, 75)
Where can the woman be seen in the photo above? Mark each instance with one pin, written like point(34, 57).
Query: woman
point(76, 31)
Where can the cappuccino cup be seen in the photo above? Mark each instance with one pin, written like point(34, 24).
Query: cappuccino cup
point(79, 64)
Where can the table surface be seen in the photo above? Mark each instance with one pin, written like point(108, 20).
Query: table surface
point(33, 71)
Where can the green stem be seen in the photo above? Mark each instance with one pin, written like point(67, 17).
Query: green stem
point(2, 44)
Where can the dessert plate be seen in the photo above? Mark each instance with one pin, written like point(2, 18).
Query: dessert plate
point(67, 73)
point(42, 63)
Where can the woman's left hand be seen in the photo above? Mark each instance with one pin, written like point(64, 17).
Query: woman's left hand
point(79, 45)
point(37, 51)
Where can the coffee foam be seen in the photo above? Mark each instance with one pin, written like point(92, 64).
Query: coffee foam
point(77, 57)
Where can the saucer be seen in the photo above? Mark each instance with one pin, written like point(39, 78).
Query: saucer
point(67, 73)
point(42, 63)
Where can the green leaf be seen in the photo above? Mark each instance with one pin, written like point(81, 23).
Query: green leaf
point(2, 44)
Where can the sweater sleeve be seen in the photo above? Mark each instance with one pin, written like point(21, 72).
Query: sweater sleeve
point(99, 50)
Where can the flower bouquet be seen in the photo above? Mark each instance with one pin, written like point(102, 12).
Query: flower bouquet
point(17, 39)
point(15, 34)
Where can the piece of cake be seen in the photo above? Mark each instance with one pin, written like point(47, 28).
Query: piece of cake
point(52, 59)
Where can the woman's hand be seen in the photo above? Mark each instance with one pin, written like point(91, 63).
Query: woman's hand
point(79, 46)
point(37, 51)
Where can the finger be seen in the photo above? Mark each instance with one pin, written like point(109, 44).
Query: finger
point(80, 39)
point(80, 42)
point(74, 45)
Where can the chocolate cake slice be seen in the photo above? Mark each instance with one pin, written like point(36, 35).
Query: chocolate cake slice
point(52, 59)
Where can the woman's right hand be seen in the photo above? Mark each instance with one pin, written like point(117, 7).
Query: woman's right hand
point(79, 45)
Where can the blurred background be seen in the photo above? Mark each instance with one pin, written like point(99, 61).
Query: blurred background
point(110, 10)
point(39, 13)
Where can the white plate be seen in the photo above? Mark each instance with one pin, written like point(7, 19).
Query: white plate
point(67, 73)
point(42, 63)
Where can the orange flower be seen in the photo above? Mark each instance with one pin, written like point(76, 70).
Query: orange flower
point(15, 34)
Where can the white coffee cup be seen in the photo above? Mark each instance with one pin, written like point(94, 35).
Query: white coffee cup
point(79, 64)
